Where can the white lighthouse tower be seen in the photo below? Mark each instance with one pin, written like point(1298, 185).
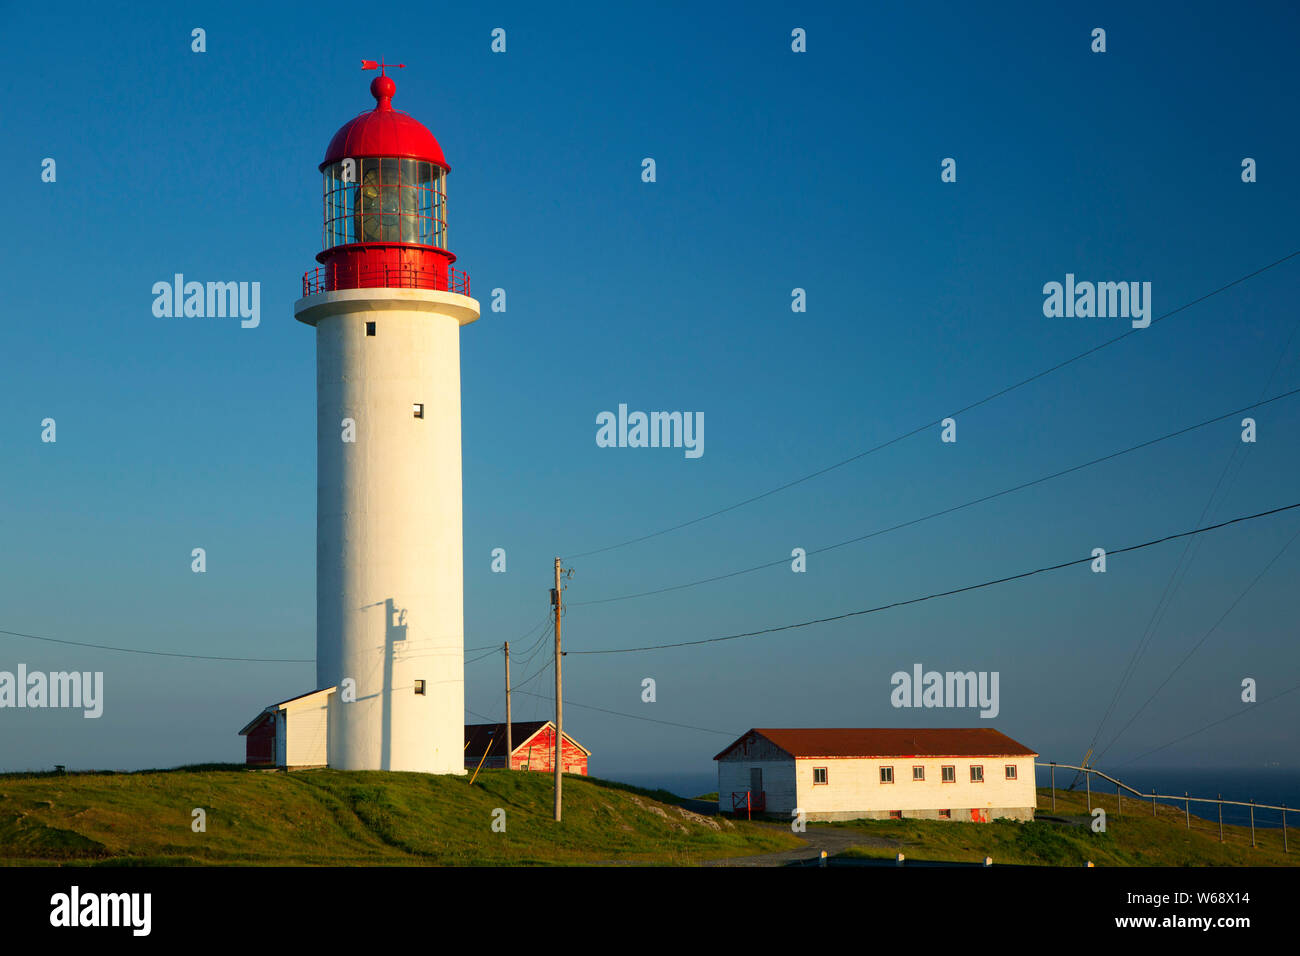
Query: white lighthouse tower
point(387, 306)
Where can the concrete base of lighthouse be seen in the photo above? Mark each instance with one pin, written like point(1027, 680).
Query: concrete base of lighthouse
point(389, 588)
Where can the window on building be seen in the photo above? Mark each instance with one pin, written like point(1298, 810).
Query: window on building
point(819, 775)
point(370, 328)
point(895, 814)
point(418, 409)
point(918, 773)
point(945, 814)
point(419, 687)
point(950, 774)
point(1011, 771)
point(886, 774)
point(976, 773)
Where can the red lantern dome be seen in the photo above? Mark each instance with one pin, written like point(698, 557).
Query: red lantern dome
point(384, 131)
point(385, 226)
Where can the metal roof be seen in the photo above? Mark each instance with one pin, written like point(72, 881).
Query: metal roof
point(804, 742)
point(478, 737)
point(384, 132)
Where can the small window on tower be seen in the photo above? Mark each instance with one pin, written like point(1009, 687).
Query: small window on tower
point(418, 409)
point(370, 328)
point(419, 687)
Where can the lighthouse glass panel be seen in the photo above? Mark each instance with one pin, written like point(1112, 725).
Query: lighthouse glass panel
point(385, 200)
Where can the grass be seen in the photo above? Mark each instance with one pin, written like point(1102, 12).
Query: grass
point(338, 818)
point(1065, 838)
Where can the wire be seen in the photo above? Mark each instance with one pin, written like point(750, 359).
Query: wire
point(939, 594)
point(1183, 566)
point(136, 650)
point(527, 634)
point(931, 424)
point(653, 720)
point(946, 511)
point(1198, 644)
point(1215, 723)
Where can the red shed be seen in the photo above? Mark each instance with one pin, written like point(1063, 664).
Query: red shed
point(534, 747)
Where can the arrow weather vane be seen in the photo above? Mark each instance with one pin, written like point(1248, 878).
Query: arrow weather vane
point(380, 66)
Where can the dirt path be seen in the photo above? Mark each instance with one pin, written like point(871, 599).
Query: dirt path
point(832, 841)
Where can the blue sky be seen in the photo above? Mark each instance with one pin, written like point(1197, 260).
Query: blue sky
point(775, 170)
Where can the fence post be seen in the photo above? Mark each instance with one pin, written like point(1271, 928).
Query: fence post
point(1220, 818)
point(1284, 847)
point(1087, 782)
point(1153, 801)
point(1252, 823)
point(1053, 786)
point(1187, 808)
point(1119, 798)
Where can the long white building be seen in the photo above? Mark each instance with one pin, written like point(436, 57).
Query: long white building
point(973, 774)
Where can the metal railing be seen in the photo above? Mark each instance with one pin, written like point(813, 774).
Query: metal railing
point(326, 279)
point(1187, 800)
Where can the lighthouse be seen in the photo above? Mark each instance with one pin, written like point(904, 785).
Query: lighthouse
point(387, 305)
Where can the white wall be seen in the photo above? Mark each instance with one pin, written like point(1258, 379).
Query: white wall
point(778, 782)
point(307, 726)
point(389, 537)
point(854, 785)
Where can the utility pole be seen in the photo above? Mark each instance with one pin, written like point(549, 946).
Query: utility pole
point(557, 600)
point(509, 743)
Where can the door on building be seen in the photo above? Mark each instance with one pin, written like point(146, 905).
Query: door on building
point(756, 782)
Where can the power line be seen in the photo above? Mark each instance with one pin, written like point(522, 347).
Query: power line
point(653, 720)
point(939, 594)
point(1223, 617)
point(1183, 566)
point(946, 511)
point(527, 634)
point(136, 650)
point(1214, 723)
point(920, 428)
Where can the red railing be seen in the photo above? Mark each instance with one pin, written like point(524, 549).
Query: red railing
point(749, 802)
point(325, 279)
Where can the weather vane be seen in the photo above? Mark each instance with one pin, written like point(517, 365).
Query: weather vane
point(380, 66)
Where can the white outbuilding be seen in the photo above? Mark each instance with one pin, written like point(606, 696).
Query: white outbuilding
point(973, 774)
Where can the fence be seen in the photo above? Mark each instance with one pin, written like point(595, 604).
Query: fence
point(1187, 800)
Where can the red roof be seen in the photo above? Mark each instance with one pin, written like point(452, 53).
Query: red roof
point(384, 131)
point(479, 737)
point(802, 742)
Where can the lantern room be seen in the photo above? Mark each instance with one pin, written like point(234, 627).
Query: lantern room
point(385, 204)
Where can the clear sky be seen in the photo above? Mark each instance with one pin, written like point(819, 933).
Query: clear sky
point(775, 170)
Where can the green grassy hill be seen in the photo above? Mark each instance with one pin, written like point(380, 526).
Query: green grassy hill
point(337, 818)
point(1065, 838)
